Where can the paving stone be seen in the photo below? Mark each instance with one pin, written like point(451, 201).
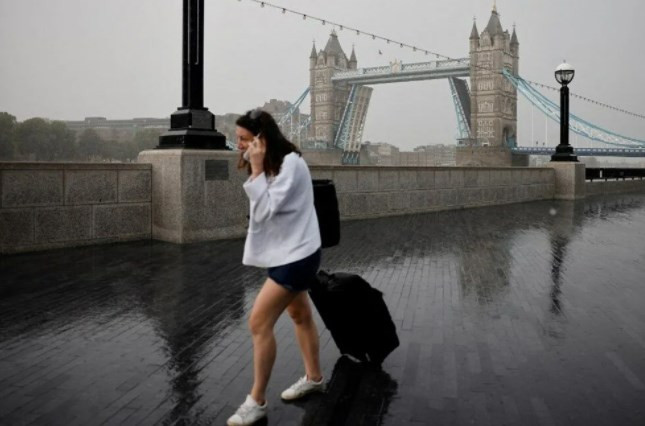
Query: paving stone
point(525, 314)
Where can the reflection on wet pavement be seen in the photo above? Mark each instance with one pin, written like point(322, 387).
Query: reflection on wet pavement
point(525, 314)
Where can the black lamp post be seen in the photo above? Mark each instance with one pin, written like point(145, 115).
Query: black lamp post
point(564, 152)
point(192, 125)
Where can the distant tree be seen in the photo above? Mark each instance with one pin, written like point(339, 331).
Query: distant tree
point(116, 150)
point(62, 143)
point(146, 139)
point(7, 128)
point(90, 145)
point(32, 139)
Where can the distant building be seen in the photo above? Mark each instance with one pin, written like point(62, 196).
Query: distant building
point(125, 130)
point(379, 154)
point(118, 130)
point(293, 125)
point(276, 108)
point(435, 155)
point(385, 154)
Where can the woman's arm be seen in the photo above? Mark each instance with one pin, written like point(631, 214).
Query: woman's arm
point(266, 200)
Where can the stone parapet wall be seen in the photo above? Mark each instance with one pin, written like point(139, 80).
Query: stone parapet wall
point(365, 192)
point(51, 205)
point(330, 157)
point(187, 196)
point(489, 156)
point(614, 186)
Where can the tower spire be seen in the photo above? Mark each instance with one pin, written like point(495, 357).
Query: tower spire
point(474, 34)
point(494, 27)
point(313, 51)
point(495, 6)
point(514, 37)
point(353, 63)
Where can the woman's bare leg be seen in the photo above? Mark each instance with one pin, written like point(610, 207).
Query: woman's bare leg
point(269, 304)
point(300, 312)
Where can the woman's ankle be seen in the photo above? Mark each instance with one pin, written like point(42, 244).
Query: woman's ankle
point(315, 377)
point(259, 399)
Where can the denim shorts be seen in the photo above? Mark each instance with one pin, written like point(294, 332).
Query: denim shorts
point(299, 275)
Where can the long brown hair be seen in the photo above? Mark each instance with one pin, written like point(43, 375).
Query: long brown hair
point(277, 146)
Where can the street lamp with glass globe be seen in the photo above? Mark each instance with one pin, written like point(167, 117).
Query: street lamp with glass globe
point(564, 75)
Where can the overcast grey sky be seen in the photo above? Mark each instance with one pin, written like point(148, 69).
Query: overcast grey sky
point(68, 59)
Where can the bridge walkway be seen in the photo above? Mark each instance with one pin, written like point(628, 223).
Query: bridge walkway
point(526, 314)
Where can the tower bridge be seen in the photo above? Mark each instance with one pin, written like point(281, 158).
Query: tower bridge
point(484, 88)
point(486, 112)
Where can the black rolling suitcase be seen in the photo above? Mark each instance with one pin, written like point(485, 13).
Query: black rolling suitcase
point(326, 205)
point(356, 315)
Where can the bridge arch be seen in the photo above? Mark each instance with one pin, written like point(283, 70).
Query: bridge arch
point(509, 137)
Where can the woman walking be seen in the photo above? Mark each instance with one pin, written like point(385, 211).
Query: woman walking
point(284, 238)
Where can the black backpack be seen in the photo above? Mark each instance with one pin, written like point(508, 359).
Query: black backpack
point(326, 205)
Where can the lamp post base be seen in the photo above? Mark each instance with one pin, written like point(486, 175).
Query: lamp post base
point(564, 153)
point(193, 129)
point(192, 139)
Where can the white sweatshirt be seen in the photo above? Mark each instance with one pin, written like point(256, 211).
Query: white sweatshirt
point(283, 226)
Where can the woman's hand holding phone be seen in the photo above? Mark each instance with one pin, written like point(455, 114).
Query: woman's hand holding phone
point(255, 155)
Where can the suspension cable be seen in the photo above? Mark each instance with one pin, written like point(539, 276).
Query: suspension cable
point(437, 55)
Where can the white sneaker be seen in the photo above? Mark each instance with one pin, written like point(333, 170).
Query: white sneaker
point(248, 413)
point(303, 387)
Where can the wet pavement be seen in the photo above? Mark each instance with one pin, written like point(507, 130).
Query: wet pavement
point(528, 314)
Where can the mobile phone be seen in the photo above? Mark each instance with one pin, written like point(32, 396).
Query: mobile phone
point(247, 155)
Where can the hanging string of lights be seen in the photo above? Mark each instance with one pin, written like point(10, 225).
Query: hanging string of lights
point(426, 52)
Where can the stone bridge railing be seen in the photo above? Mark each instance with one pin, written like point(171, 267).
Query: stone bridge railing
point(50, 205)
point(185, 196)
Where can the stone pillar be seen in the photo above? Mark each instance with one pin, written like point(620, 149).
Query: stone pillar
point(569, 180)
point(197, 195)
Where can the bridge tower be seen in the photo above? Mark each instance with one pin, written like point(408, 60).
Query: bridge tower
point(328, 99)
point(493, 98)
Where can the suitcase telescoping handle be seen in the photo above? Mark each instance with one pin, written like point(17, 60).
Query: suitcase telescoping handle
point(326, 205)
